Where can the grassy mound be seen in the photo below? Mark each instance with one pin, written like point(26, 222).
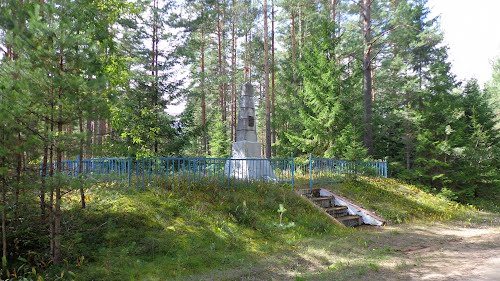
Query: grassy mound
point(173, 234)
point(161, 235)
point(399, 202)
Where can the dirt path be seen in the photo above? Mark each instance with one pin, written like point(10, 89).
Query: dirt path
point(449, 253)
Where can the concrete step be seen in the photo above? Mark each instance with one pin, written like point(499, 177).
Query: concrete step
point(351, 220)
point(338, 208)
point(337, 211)
point(309, 192)
point(324, 202)
point(305, 192)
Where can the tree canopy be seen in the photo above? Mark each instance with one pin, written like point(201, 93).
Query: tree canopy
point(338, 79)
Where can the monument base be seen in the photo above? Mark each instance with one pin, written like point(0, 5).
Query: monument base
point(246, 162)
point(246, 149)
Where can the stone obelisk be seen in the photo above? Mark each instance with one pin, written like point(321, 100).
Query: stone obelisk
point(246, 161)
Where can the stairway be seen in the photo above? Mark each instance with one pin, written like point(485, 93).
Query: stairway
point(347, 214)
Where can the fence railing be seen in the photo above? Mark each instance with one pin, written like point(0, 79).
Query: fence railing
point(323, 170)
point(174, 172)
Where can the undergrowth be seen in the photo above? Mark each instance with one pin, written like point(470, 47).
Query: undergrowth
point(130, 235)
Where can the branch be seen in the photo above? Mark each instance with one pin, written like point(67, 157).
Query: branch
point(4, 50)
point(376, 38)
point(358, 3)
point(375, 56)
point(34, 131)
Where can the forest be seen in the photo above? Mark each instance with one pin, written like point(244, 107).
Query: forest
point(344, 79)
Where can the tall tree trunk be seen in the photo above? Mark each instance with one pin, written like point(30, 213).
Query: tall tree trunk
point(51, 174)
point(249, 62)
point(224, 73)
point(80, 159)
point(203, 102)
point(273, 76)
point(88, 149)
point(301, 28)
point(367, 76)
point(43, 180)
point(19, 168)
point(57, 205)
point(154, 66)
point(4, 218)
point(408, 150)
point(334, 10)
point(246, 59)
point(266, 84)
point(220, 64)
point(294, 51)
point(233, 76)
point(4, 213)
point(102, 131)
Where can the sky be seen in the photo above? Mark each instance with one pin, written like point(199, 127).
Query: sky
point(472, 32)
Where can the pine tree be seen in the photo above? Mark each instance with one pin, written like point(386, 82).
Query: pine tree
point(139, 116)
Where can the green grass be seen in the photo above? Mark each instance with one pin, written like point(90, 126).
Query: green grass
point(399, 202)
point(157, 235)
point(174, 234)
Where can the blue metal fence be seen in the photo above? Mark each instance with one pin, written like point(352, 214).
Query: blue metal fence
point(174, 172)
point(323, 170)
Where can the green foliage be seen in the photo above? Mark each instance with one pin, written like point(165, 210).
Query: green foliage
point(76, 65)
point(348, 146)
point(459, 153)
point(219, 139)
point(324, 101)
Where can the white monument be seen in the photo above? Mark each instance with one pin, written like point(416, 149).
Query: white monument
point(246, 161)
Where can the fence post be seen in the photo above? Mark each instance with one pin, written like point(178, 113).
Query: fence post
point(229, 174)
point(129, 175)
point(310, 172)
point(188, 171)
point(77, 165)
point(386, 166)
point(143, 171)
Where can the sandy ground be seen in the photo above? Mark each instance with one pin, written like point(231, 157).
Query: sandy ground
point(450, 253)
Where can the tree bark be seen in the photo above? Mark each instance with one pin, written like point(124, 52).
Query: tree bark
point(4, 217)
point(154, 66)
point(89, 135)
point(294, 51)
point(202, 89)
point(51, 174)
point(233, 76)
point(43, 180)
point(19, 168)
point(80, 160)
point(301, 28)
point(57, 206)
point(102, 131)
point(266, 84)
point(367, 76)
point(247, 67)
point(273, 76)
point(222, 102)
point(334, 10)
